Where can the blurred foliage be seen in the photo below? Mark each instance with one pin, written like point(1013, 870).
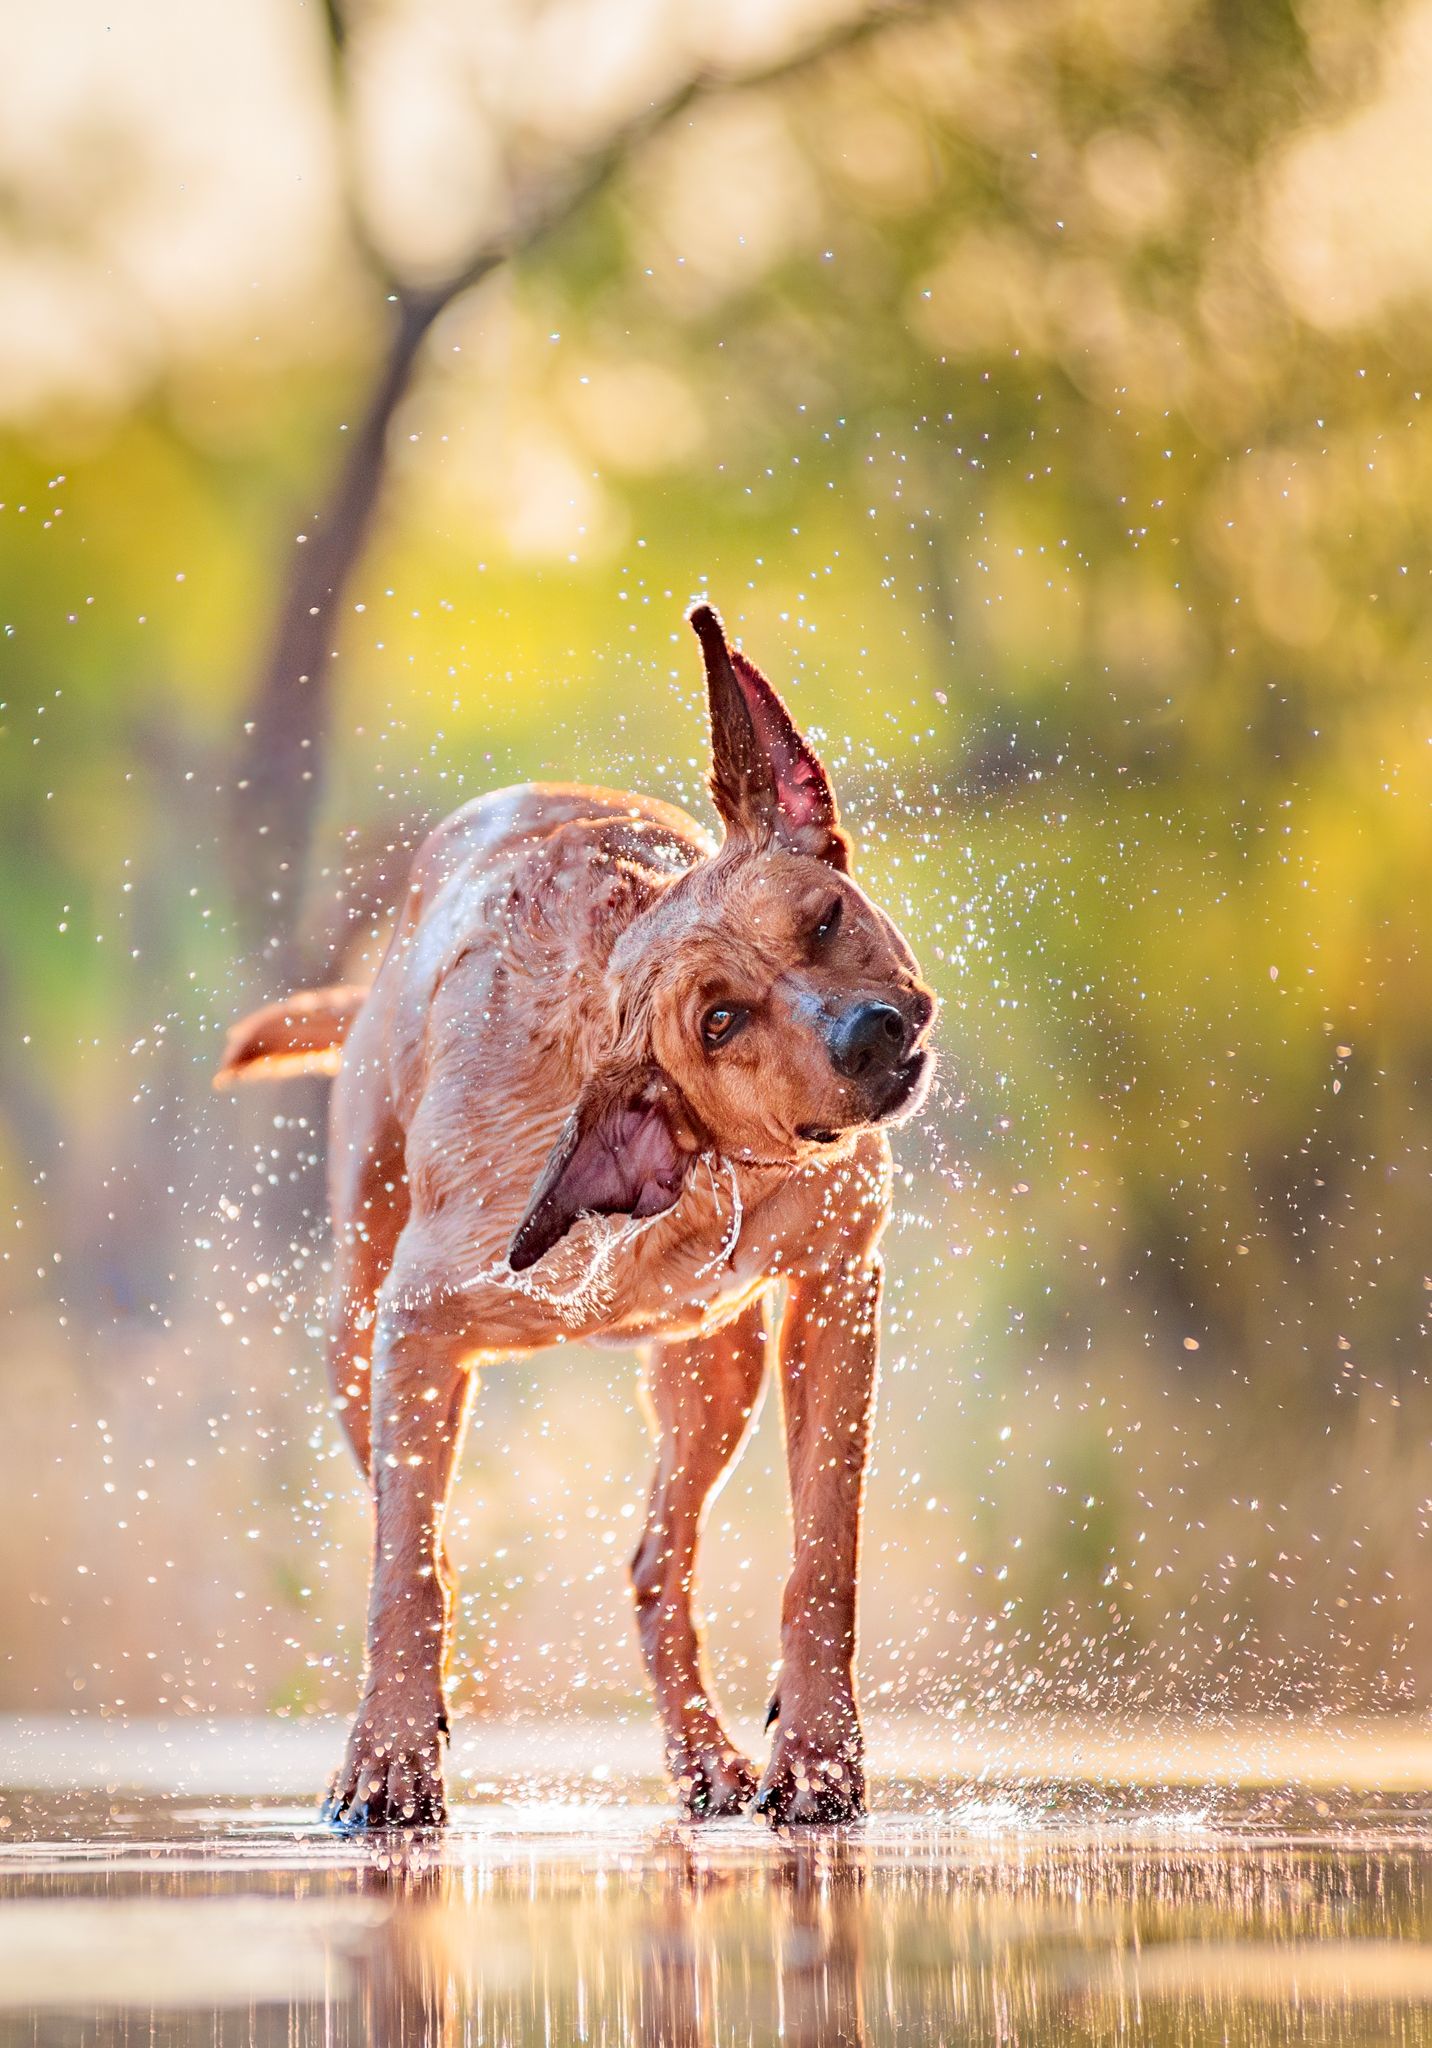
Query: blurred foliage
point(1037, 390)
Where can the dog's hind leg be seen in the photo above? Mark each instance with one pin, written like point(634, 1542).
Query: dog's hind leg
point(363, 1243)
point(368, 1200)
point(703, 1391)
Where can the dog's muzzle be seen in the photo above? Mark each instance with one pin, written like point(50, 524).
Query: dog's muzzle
point(868, 1040)
point(876, 1045)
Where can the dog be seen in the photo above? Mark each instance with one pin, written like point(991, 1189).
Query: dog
point(616, 1082)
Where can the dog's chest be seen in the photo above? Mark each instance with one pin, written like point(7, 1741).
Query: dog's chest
point(710, 1260)
point(736, 1229)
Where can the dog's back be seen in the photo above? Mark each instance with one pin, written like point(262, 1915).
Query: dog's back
point(538, 854)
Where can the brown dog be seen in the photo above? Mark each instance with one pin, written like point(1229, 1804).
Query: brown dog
point(587, 1011)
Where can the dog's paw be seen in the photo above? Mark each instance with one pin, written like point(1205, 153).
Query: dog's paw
point(808, 1787)
point(391, 1776)
point(713, 1782)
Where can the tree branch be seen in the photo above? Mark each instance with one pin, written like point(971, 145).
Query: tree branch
point(552, 209)
point(280, 772)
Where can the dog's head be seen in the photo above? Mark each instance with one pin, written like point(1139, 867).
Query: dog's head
point(763, 1008)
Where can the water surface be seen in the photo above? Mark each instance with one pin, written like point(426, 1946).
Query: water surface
point(1047, 1912)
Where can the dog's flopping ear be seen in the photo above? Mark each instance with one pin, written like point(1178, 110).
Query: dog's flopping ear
point(624, 1151)
point(766, 779)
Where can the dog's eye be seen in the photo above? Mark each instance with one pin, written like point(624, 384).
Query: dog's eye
point(829, 921)
point(721, 1022)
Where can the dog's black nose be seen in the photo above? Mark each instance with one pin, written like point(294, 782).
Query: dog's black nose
point(866, 1037)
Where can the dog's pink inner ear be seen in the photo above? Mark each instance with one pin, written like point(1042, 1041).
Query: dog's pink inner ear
point(766, 778)
point(618, 1156)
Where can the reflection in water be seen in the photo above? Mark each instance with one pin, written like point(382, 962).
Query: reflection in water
point(677, 1948)
point(570, 1923)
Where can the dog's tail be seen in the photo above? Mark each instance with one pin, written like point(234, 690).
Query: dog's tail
point(302, 1034)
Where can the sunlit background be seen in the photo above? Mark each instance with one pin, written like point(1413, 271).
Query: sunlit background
point(1040, 391)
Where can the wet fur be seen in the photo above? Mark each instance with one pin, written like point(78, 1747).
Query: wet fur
point(530, 1053)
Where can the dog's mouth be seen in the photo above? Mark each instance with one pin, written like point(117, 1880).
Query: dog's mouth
point(901, 1096)
point(907, 1088)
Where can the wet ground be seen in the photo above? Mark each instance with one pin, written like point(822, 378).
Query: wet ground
point(567, 1905)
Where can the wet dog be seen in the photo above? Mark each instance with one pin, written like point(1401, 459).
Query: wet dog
point(615, 1082)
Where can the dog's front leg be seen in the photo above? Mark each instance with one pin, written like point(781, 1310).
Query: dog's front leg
point(392, 1775)
point(704, 1391)
point(829, 1349)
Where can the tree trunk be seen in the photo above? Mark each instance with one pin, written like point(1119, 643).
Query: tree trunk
point(280, 779)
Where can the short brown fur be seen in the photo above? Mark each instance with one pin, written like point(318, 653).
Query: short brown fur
point(589, 1011)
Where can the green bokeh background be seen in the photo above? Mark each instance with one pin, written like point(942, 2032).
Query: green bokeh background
point(1039, 392)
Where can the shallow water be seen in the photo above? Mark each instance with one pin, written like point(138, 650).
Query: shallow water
point(581, 1911)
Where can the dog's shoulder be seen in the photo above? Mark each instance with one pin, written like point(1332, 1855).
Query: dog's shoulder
point(514, 905)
